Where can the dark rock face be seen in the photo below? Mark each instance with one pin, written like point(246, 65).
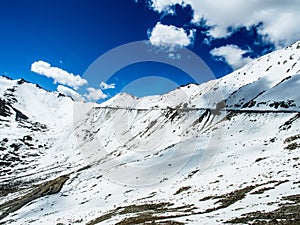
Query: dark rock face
point(22, 81)
point(20, 115)
point(4, 108)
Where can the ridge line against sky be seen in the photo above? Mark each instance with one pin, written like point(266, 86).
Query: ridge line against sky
point(53, 43)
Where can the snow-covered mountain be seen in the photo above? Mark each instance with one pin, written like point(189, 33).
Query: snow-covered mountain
point(226, 151)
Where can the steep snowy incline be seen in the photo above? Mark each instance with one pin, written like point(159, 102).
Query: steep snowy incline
point(223, 151)
point(251, 162)
point(35, 131)
point(284, 96)
point(38, 104)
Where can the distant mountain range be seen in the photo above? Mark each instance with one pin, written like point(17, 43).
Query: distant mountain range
point(226, 151)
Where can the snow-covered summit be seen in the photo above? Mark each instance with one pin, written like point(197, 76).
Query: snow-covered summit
point(237, 88)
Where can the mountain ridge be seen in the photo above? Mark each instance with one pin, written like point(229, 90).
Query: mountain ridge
point(288, 63)
point(226, 151)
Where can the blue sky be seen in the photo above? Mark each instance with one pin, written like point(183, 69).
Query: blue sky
point(62, 38)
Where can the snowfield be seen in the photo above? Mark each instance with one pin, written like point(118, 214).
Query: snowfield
point(226, 151)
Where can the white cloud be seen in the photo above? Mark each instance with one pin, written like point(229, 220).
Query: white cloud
point(232, 54)
point(105, 86)
point(280, 19)
point(69, 92)
point(164, 5)
point(168, 35)
point(95, 94)
point(57, 74)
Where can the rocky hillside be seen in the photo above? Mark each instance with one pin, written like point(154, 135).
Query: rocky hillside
point(226, 151)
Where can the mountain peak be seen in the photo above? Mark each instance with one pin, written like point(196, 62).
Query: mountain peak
point(217, 146)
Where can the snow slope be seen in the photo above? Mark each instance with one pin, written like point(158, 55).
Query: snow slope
point(201, 154)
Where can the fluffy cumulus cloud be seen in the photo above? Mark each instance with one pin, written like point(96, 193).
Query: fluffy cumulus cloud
point(58, 75)
point(167, 35)
point(105, 86)
point(69, 92)
point(231, 54)
point(279, 19)
point(95, 94)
